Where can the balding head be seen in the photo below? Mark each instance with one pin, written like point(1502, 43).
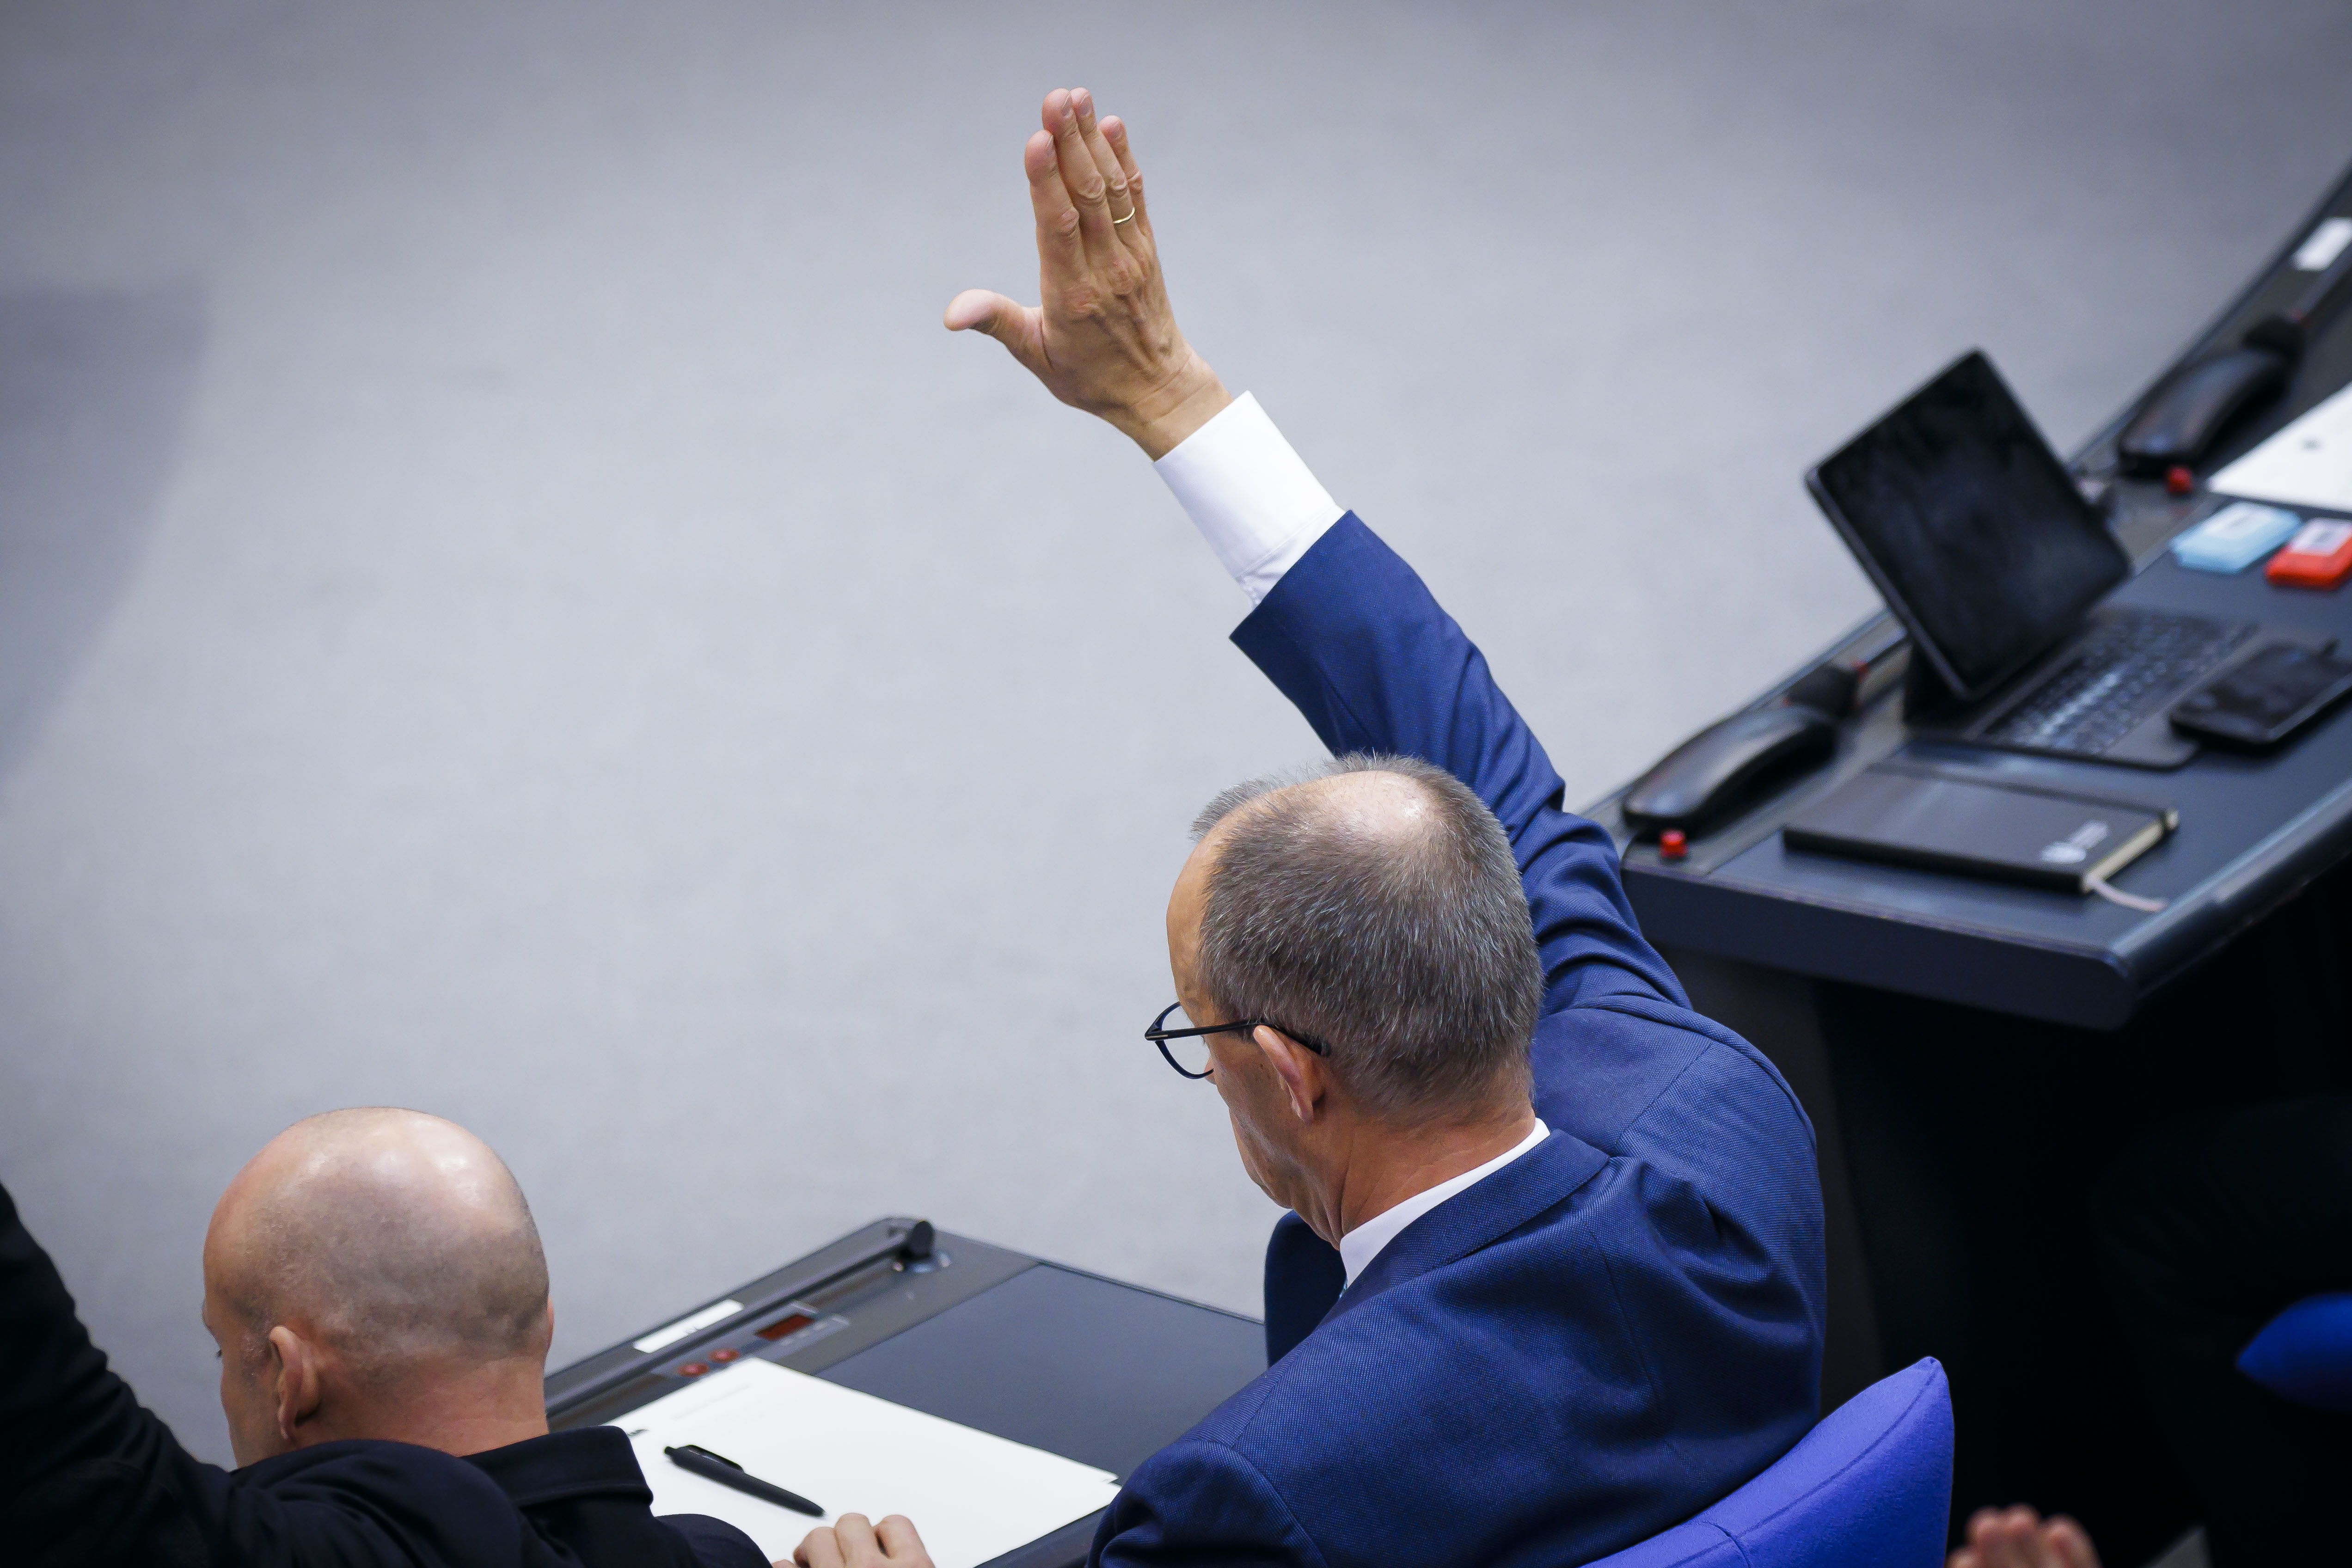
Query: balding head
point(1373, 906)
point(395, 1245)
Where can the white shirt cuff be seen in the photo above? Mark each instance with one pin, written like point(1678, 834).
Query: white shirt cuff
point(1253, 500)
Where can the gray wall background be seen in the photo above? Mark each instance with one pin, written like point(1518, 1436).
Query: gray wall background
point(510, 603)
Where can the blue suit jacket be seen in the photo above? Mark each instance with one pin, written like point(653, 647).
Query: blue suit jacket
point(1593, 1343)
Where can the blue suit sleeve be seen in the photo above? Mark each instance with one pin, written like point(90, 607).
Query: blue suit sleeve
point(1198, 1503)
point(1353, 638)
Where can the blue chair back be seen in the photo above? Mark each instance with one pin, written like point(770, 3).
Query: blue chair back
point(1871, 1487)
point(2305, 1352)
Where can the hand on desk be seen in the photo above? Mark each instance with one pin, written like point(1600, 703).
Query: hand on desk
point(853, 1542)
point(1103, 338)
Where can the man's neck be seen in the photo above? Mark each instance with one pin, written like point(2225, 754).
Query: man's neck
point(1386, 1165)
point(469, 1414)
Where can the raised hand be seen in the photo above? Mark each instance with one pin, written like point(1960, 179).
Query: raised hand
point(1103, 338)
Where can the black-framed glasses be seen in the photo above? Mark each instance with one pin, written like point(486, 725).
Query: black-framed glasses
point(1183, 1047)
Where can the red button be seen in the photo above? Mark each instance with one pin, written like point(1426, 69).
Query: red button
point(724, 1357)
point(692, 1369)
point(1672, 845)
point(2178, 480)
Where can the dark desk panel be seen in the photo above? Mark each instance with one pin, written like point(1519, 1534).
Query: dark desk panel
point(1082, 1366)
point(1094, 1370)
point(2253, 831)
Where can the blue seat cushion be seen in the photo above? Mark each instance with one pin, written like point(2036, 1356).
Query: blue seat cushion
point(1871, 1484)
point(2305, 1352)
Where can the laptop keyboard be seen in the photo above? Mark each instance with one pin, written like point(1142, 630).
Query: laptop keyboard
point(2134, 663)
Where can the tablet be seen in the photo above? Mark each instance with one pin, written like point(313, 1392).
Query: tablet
point(1971, 527)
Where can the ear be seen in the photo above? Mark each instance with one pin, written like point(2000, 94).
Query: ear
point(1304, 1078)
point(300, 1382)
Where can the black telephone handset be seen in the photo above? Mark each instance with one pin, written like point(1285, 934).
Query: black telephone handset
point(1732, 762)
point(2180, 423)
point(2184, 418)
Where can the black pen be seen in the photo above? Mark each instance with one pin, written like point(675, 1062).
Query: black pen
point(698, 1460)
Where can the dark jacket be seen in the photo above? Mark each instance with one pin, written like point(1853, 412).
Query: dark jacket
point(1593, 1343)
point(90, 1478)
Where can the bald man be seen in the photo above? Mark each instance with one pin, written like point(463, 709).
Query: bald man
point(1552, 1280)
point(376, 1287)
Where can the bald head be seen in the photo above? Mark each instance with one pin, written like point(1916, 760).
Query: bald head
point(397, 1240)
point(1372, 905)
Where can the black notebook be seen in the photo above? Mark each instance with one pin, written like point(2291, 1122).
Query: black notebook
point(1915, 814)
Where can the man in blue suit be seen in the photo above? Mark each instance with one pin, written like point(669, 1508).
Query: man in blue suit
point(1552, 1281)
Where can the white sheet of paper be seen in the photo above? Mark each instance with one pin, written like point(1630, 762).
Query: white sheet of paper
point(2309, 463)
point(972, 1494)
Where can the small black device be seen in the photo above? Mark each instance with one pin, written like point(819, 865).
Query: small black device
point(1727, 764)
point(2179, 424)
point(1986, 550)
point(698, 1460)
point(1945, 819)
point(1733, 761)
point(2260, 700)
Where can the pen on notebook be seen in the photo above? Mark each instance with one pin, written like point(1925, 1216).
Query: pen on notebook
point(698, 1460)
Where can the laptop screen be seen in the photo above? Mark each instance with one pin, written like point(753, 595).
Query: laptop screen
point(1971, 527)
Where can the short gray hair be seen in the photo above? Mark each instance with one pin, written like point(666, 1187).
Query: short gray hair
point(1409, 955)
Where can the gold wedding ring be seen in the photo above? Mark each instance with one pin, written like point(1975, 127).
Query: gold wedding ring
point(1129, 218)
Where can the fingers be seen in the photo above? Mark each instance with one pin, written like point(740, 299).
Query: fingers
point(1989, 1539)
point(1105, 161)
point(856, 1533)
point(901, 1545)
point(2017, 1538)
point(1060, 248)
point(984, 311)
point(1019, 328)
point(2071, 1543)
point(853, 1542)
point(1088, 192)
point(2014, 1540)
point(1114, 131)
point(977, 309)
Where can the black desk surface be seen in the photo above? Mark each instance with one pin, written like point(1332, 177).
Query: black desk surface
point(2253, 831)
point(1094, 1370)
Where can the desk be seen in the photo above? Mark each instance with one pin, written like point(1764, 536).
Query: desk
point(1974, 1055)
point(2251, 833)
point(1096, 1370)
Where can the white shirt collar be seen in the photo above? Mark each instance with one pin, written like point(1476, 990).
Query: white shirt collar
point(1362, 1245)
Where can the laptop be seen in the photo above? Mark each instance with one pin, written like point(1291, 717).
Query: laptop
point(1991, 557)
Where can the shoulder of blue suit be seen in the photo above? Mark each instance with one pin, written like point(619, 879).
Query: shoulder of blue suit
point(1580, 1351)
